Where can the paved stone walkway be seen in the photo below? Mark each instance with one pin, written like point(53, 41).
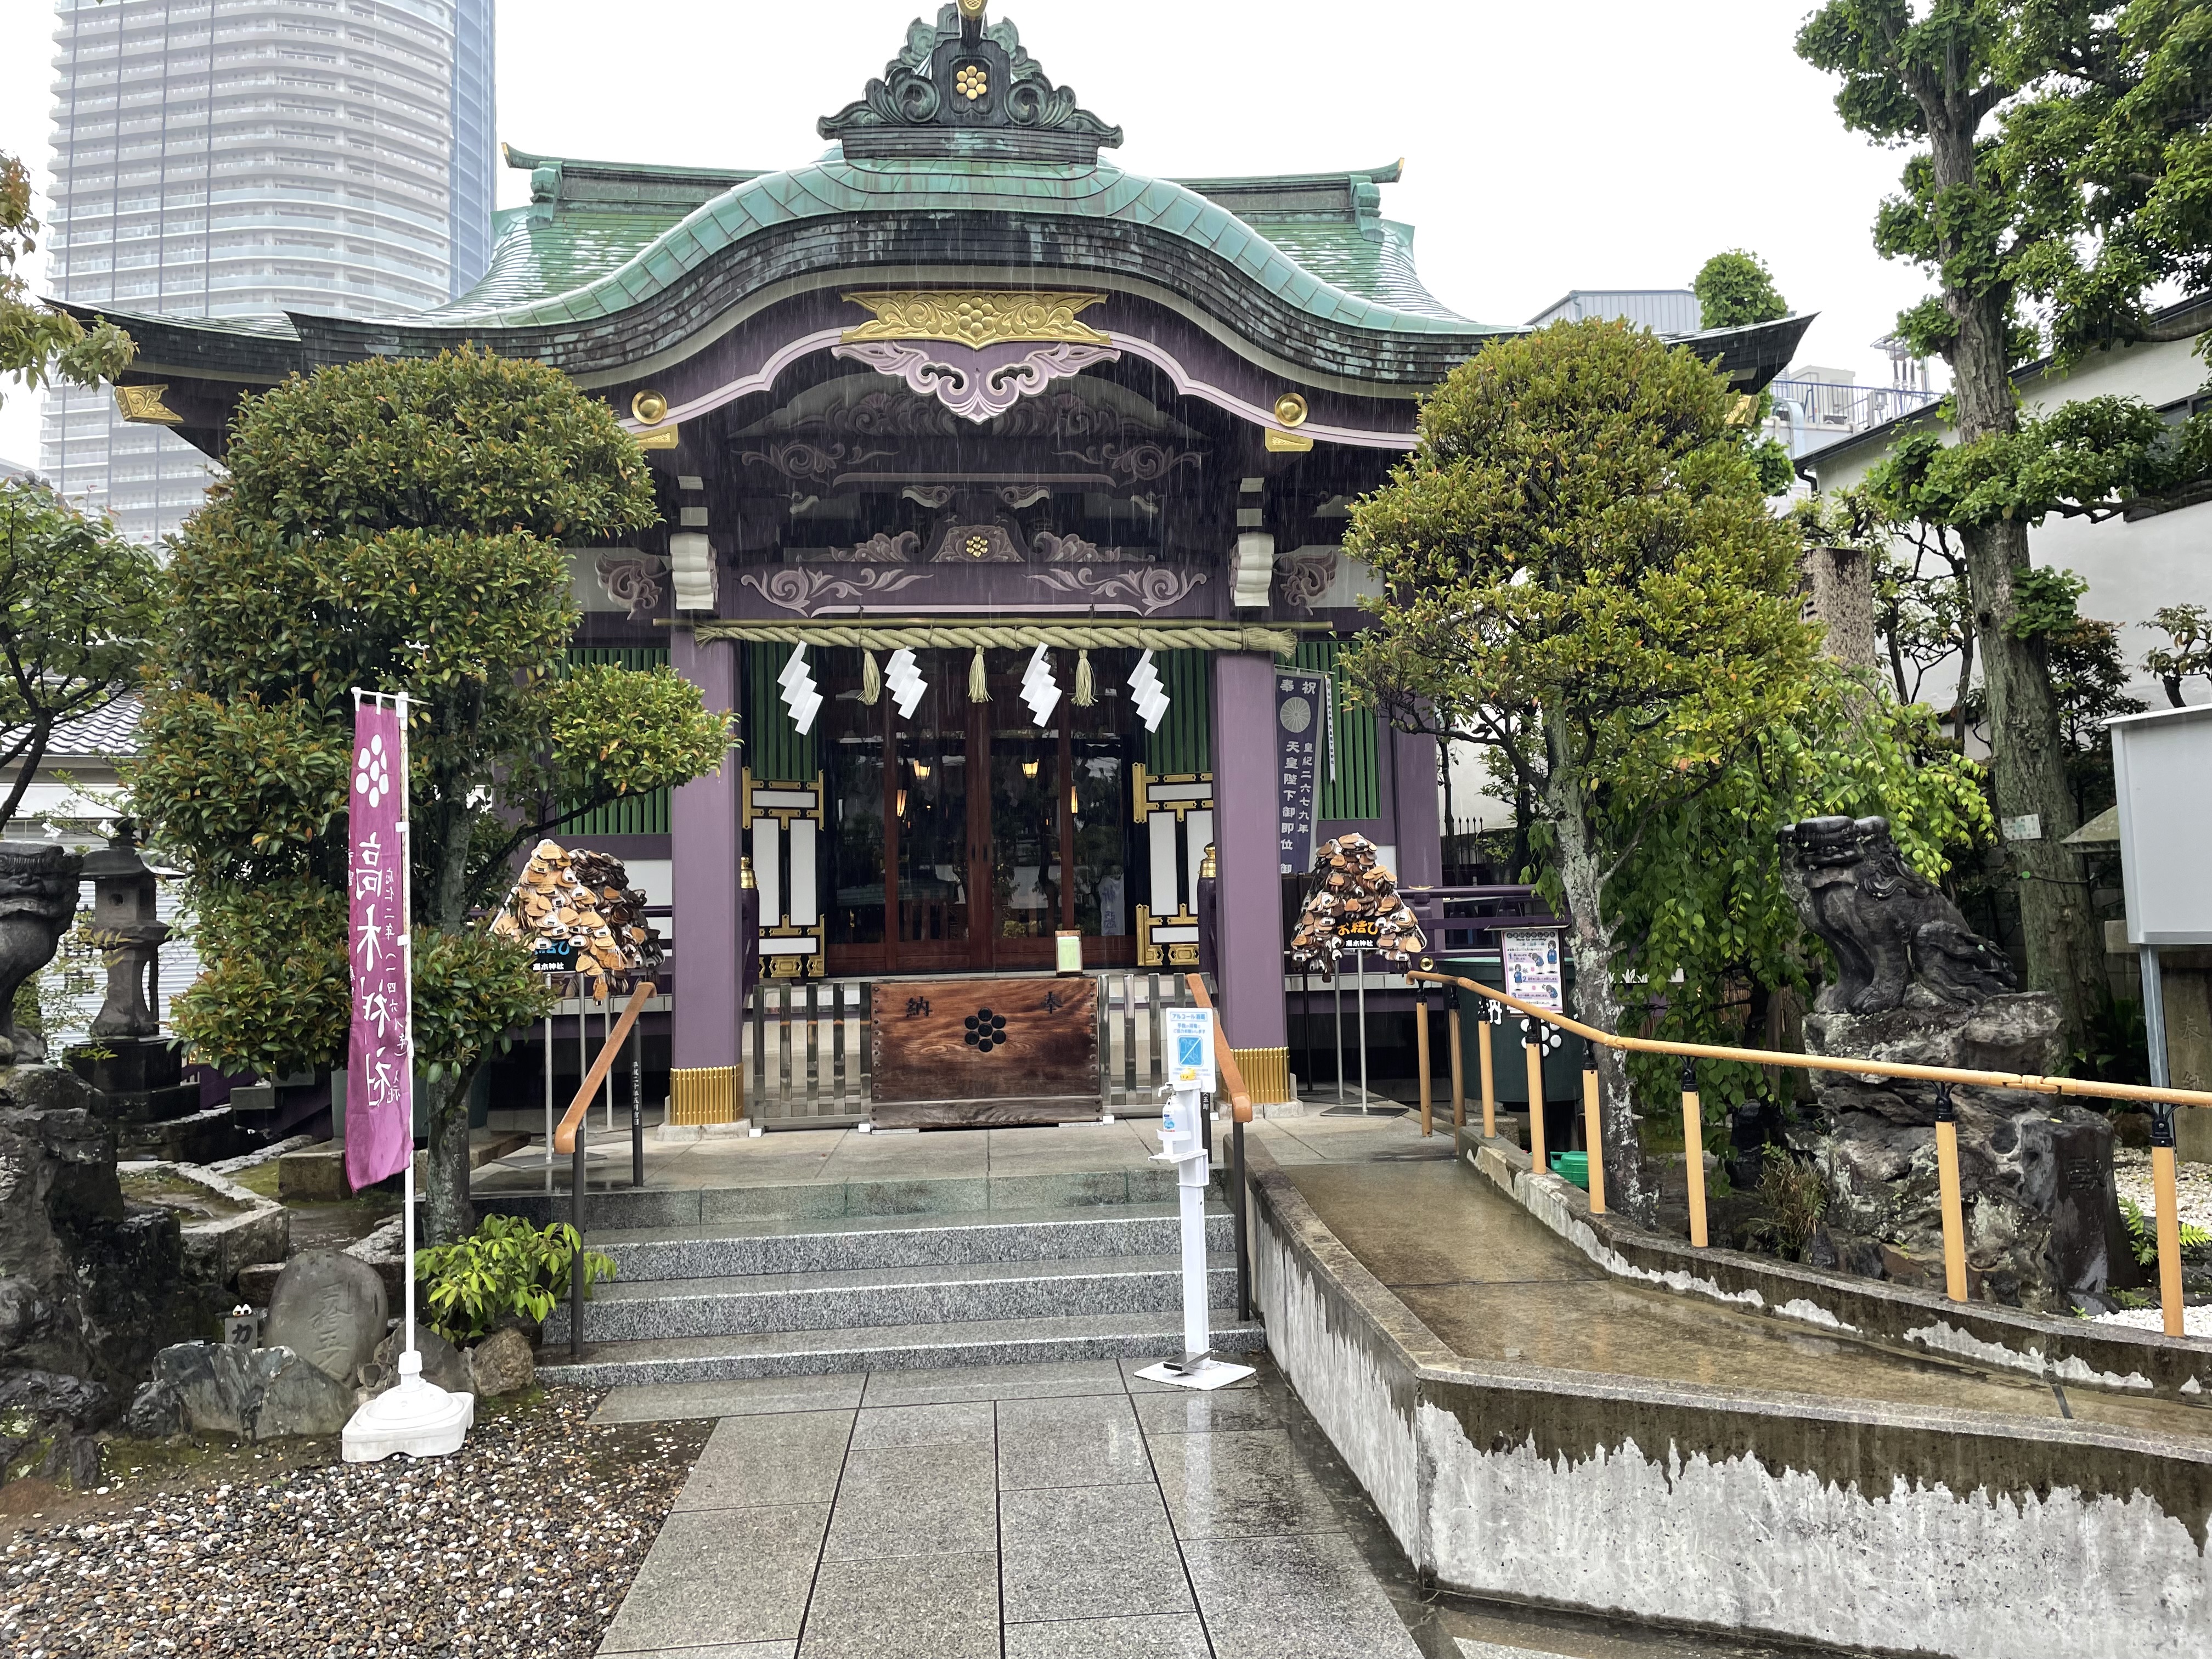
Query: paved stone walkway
point(1063, 1512)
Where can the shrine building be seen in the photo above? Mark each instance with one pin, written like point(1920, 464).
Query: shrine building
point(961, 389)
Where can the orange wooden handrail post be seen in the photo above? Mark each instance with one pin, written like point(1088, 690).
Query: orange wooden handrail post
point(1458, 1065)
point(2169, 1221)
point(1693, 1151)
point(564, 1138)
point(1539, 1160)
point(1421, 1057)
point(1489, 1078)
point(1593, 1136)
point(1951, 1200)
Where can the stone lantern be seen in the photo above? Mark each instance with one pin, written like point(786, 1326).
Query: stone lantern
point(123, 921)
point(38, 897)
point(137, 1074)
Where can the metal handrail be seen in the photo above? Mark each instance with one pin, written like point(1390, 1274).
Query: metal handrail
point(1240, 1113)
point(1947, 1136)
point(570, 1137)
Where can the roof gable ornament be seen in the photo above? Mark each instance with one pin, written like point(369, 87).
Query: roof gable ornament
point(966, 88)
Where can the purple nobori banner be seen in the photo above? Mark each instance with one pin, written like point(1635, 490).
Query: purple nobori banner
point(380, 1124)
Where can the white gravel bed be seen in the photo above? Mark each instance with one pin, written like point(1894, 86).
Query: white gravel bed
point(2195, 1321)
point(522, 1543)
point(2192, 1185)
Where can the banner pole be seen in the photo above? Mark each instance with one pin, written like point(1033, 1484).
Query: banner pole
point(407, 979)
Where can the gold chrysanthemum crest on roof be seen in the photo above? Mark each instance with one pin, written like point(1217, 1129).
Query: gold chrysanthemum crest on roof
point(964, 86)
point(975, 317)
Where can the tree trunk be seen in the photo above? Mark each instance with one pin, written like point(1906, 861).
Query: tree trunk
point(2028, 764)
point(448, 1214)
point(1626, 1189)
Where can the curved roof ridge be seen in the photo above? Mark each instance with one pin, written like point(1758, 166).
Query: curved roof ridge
point(835, 186)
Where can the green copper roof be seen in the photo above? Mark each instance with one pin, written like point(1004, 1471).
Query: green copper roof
point(593, 249)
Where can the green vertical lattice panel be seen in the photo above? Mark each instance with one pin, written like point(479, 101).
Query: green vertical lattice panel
point(776, 751)
point(1184, 743)
point(633, 815)
point(1356, 792)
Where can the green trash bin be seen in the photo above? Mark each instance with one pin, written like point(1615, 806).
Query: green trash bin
point(1563, 1066)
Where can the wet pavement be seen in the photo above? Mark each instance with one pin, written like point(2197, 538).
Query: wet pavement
point(1060, 1512)
point(1493, 1283)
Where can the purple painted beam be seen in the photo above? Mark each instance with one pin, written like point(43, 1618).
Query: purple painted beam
point(1420, 837)
point(1247, 796)
point(703, 831)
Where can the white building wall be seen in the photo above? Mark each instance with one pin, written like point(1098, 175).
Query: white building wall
point(2132, 569)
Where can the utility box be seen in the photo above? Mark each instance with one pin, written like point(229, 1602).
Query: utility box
point(2162, 770)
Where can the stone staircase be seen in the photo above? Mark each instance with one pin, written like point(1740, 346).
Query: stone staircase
point(775, 1297)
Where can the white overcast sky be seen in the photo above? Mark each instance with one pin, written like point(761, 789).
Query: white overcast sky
point(1611, 143)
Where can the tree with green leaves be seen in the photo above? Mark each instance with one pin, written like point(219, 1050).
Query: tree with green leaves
point(2057, 173)
point(77, 609)
point(393, 526)
point(1735, 289)
point(2187, 653)
point(1702, 898)
point(1579, 572)
point(39, 345)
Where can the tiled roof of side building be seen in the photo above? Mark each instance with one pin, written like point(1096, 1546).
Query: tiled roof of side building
point(112, 731)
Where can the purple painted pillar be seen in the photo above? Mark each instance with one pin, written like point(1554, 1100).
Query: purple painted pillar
point(1247, 797)
point(703, 825)
point(1419, 811)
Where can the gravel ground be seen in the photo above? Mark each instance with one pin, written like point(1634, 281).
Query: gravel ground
point(2192, 1185)
point(2195, 1321)
point(523, 1543)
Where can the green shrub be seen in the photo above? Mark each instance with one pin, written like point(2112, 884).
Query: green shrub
point(2142, 1234)
point(505, 1268)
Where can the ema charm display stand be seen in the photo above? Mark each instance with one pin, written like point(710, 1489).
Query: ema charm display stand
point(1189, 1033)
point(413, 1416)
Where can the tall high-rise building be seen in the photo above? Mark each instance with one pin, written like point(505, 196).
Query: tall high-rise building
point(230, 158)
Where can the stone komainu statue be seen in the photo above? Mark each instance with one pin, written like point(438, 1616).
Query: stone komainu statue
point(1898, 942)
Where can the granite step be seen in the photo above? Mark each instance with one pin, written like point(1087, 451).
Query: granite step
point(889, 1347)
point(952, 1294)
point(734, 1250)
point(610, 1202)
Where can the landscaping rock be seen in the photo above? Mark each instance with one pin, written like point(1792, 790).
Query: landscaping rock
point(259, 1393)
point(2036, 1172)
point(330, 1309)
point(501, 1363)
point(443, 1363)
point(94, 1287)
point(314, 1175)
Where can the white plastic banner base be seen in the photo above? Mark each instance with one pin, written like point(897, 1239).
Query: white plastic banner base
point(416, 1417)
point(1206, 1374)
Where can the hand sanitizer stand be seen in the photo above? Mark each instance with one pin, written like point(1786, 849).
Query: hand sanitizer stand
point(1183, 1143)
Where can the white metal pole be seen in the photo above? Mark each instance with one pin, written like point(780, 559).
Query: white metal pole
point(607, 1035)
point(1191, 1176)
point(411, 1362)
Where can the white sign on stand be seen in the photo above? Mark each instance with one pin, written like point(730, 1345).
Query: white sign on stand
point(1188, 1033)
point(1532, 966)
point(1190, 1048)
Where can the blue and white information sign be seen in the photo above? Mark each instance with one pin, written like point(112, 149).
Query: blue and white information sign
point(1189, 1035)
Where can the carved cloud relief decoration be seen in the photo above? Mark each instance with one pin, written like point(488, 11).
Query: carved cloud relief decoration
point(807, 588)
point(977, 385)
point(1147, 591)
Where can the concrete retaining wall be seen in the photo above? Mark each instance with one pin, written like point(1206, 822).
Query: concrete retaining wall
point(1954, 1533)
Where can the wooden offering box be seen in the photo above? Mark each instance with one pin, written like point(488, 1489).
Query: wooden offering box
point(977, 1053)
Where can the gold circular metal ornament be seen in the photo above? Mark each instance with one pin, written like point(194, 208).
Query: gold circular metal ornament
point(1291, 410)
point(971, 8)
point(649, 407)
